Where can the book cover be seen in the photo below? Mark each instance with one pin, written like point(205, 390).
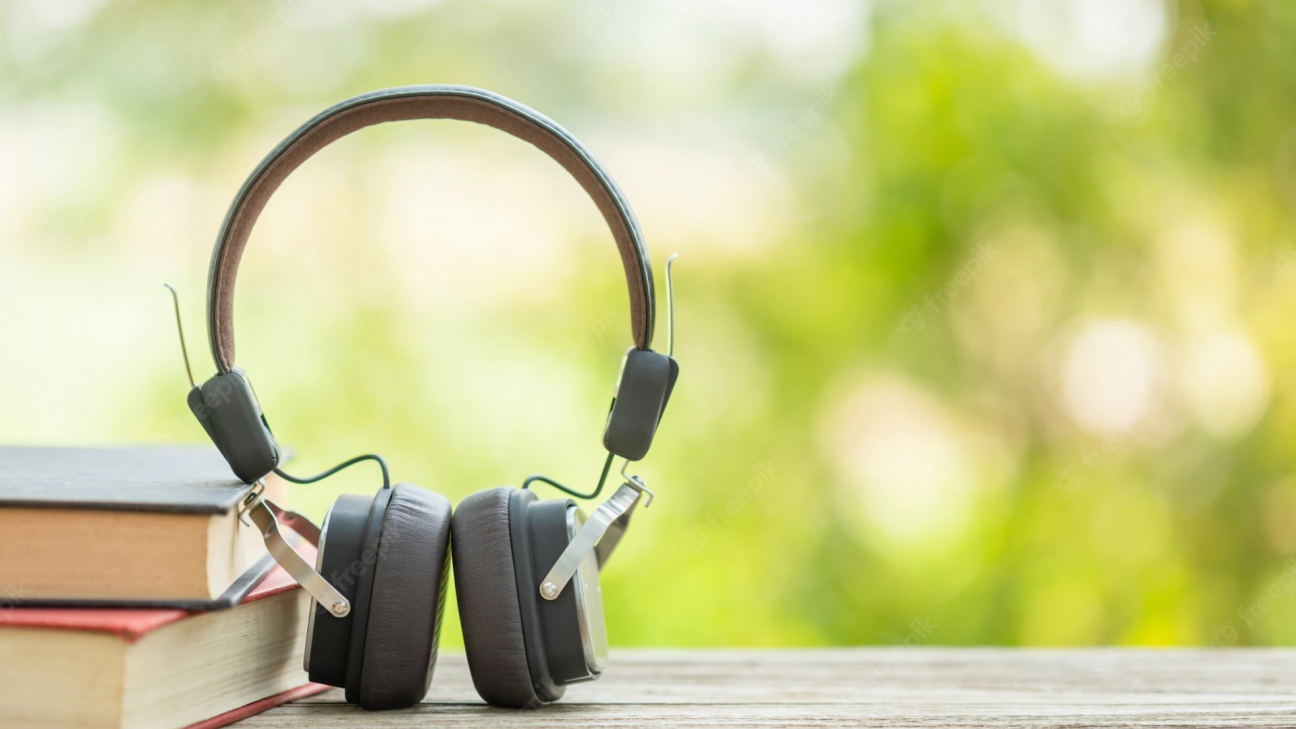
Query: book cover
point(50, 634)
point(175, 502)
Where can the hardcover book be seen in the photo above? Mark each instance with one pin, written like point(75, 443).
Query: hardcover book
point(119, 668)
point(139, 526)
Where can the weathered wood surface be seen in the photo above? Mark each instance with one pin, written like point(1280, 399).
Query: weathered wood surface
point(919, 687)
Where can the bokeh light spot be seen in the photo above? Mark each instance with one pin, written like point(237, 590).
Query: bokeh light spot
point(1111, 374)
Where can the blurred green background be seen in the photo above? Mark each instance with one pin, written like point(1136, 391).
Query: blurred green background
point(983, 307)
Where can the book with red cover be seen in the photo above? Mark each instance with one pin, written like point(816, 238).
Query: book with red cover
point(147, 668)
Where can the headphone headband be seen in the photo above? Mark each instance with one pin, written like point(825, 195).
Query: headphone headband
point(422, 102)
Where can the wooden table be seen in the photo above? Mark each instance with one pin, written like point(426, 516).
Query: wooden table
point(916, 687)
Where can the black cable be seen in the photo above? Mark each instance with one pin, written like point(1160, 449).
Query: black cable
point(345, 464)
point(607, 465)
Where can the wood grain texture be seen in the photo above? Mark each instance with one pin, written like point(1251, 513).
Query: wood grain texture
point(886, 687)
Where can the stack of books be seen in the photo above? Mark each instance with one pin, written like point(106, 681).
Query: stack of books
point(133, 596)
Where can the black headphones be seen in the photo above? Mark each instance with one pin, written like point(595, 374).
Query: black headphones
point(526, 570)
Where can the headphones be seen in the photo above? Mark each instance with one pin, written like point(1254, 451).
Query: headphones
point(526, 570)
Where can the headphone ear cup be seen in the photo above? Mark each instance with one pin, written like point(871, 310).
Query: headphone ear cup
point(489, 608)
point(408, 599)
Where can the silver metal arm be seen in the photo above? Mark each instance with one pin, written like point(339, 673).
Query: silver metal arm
point(615, 511)
point(610, 540)
point(266, 515)
point(618, 528)
point(296, 522)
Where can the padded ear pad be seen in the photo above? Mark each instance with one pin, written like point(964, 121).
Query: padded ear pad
point(409, 587)
point(489, 611)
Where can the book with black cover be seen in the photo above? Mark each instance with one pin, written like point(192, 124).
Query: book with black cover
point(125, 526)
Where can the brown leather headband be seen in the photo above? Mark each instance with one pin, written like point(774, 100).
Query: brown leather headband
point(422, 102)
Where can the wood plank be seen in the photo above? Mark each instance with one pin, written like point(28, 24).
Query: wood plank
point(875, 687)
